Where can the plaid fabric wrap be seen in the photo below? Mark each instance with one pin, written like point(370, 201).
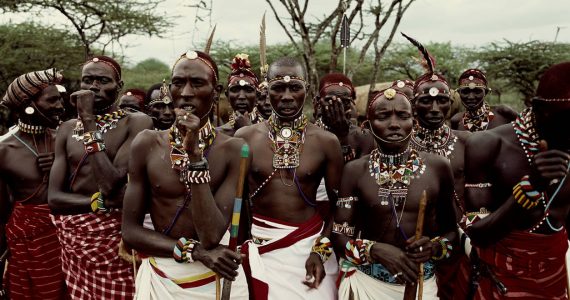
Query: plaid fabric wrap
point(28, 85)
point(92, 266)
point(34, 266)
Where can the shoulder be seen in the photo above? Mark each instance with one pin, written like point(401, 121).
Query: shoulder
point(248, 131)
point(139, 118)
point(462, 135)
point(320, 134)
point(484, 144)
point(228, 143)
point(435, 161)
point(505, 111)
point(456, 118)
point(145, 138)
point(356, 166)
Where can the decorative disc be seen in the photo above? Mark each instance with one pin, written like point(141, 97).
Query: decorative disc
point(471, 77)
point(242, 82)
point(167, 100)
point(191, 55)
point(341, 83)
point(401, 84)
point(95, 59)
point(287, 78)
point(434, 77)
point(286, 132)
point(390, 93)
point(433, 91)
point(472, 85)
point(29, 110)
point(129, 94)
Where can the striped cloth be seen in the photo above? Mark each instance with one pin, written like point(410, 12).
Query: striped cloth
point(28, 85)
point(530, 265)
point(92, 266)
point(34, 266)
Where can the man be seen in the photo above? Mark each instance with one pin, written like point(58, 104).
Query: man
point(132, 99)
point(380, 193)
point(242, 94)
point(520, 178)
point(26, 157)
point(189, 196)
point(431, 104)
point(479, 115)
point(159, 106)
point(87, 184)
point(290, 247)
point(263, 107)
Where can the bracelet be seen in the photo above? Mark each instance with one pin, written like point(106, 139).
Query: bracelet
point(525, 194)
point(343, 228)
point(201, 165)
point(91, 137)
point(199, 177)
point(356, 251)
point(367, 252)
point(480, 185)
point(183, 250)
point(446, 247)
point(95, 147)
point(323, 247)
point(346, 202)
point(98, 203)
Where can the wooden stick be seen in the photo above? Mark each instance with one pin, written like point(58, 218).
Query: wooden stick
point(411, 290)
point(236, 213)
point(134, 254)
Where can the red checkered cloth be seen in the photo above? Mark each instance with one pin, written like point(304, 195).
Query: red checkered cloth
point(34, 266)
point(91, 263)
point(531, 266)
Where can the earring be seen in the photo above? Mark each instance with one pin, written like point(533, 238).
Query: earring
point(29, 110)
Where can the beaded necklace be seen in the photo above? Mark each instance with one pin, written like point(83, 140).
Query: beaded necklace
point(440, 141)
point(287, 141)
point(104, 123)
point(256, 116)
point(30, 129)
point(479, 120)
point(179, 156)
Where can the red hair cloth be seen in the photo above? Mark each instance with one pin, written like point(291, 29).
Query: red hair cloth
point(335, 79)
point(240, 68)
point(203, 57)
point(137, 93)
point(472, 75)
point(428, 77)
point(555, 83)
point(106, 60)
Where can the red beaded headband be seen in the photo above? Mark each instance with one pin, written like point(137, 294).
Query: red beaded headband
point(192, 55)
point(342, 84)
point(98, 60)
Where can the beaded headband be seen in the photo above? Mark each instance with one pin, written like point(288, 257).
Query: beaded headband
point(433, 91)
point(341, 84)
point(389, 94)
point(240, 80)
point(163, 97)
point(192, 55)
point(285, 78)
point(98, 60)
point(402, 83)
point(551, 99)
point(472, 82)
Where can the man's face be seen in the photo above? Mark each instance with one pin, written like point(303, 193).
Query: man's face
point(162, 114)
point(431, 110)
point(192, 86)
point(102, 80)
point(130, 101)
point(242, 97)
point(472, 98)
point(287, 98)
point(553, 123)
point(340, 92)
point(263, 105)
point(50, 104)
point(391, 120)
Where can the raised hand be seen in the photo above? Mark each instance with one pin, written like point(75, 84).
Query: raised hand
point(84, 101)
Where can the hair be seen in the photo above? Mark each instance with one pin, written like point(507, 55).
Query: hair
point(152, 88)
point(553, 83)
point(286, 62)
point(335, 78)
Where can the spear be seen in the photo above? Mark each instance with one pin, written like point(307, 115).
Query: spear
point(344, 40)
point(410, 291)
point(236, 214)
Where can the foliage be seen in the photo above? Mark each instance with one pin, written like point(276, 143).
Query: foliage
point(145, 73)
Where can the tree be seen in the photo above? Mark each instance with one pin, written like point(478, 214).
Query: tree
point(146, 73)
point(520, 65)
point(305, 34)
point(98, 23)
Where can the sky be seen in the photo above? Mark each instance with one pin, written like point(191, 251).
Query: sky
point(465, 22)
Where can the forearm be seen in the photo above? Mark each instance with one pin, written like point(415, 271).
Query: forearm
point(109, 179)
point(495, 226)
point(68, 203)
point(148, 241)
point(209, 222)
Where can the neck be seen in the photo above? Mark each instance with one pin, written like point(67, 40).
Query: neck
point(421, 128)
point(478, 109)
point(280, 122)
point(391, 149)
point(30, 128)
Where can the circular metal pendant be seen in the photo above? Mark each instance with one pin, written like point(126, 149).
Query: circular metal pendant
point(95, 59)
point(341, 83)
point(191, 55)
point(242, 82)
point(401, 84)
point(286, 132)
point(29, 110)
point(129, 94)
point(433, 91)
point(434, 77)
point(287, 78)
point(472, 85)
point(471, 77)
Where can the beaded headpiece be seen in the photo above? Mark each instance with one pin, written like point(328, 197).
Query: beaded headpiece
point(240, 70)
point(389, 94)
point(403, 83)
point(25, 87)
point(137, 93)
point(335, 79)
point(473, 78)
point(164, 96)
point(201, 56)
point(286, 78)
point(108, 61)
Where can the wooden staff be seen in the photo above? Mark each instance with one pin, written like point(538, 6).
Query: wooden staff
point(236, 214)
point(411, 290)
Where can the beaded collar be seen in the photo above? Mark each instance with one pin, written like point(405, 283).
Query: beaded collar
point(104, 123)
point(30, 129)
point(440, 141)
point(256, 116)
point(179, 156)
point(478, 120)
point(526, 133)
point(389, 170)
point(287, 141)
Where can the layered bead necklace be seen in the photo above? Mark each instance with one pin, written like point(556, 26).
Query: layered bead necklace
point(287, 141)
point(179, 156)
point(479, 120)
point(256, 116)
point(440, 141)
point(104, 123)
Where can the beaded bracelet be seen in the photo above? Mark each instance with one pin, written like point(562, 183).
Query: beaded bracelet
point(525, 194)
point(199, 177)
point(98, 203)
point(183, 250)
point(323, 247)
point(356, 251)
point(446, 247)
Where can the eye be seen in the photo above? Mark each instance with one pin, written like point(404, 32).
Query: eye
point(105, 80)
point(177, 82)
point(87, 80)
point(296, 88)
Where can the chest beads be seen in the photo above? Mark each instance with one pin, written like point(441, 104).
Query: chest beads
point(440, 141)
point(104, 123)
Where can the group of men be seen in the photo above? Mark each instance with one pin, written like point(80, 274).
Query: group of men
point(135, 197)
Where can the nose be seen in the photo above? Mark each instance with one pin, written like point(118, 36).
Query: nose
point(95, 86)
point(394, 125)
point(187, 91)
point(434, 106)
point(168, 111)
point(287, 95)
point(241, 94)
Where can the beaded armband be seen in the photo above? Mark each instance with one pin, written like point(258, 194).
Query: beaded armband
point(525, 194)
point(348, 153)
point(323, 247)
point(94, 147)
point(446, 247)
point(199, 177)
point(184, 249)
point(480, 185)
point(357, 251)
point(343, 228)
point(346, 202)
point(98, 203)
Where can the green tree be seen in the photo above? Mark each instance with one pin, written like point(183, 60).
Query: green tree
point(98, 23)
point(146, 73)
point(518, 66)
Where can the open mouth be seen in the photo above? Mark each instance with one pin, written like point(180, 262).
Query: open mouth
point(189, 108)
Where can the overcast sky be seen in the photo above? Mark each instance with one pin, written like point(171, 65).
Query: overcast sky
point(465, 22)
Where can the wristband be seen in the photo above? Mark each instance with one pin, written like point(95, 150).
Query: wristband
point(94, 147)
point(446, 247)
point(92, 137)
point(323, 247)
point(98, 203)
point(183, 250)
